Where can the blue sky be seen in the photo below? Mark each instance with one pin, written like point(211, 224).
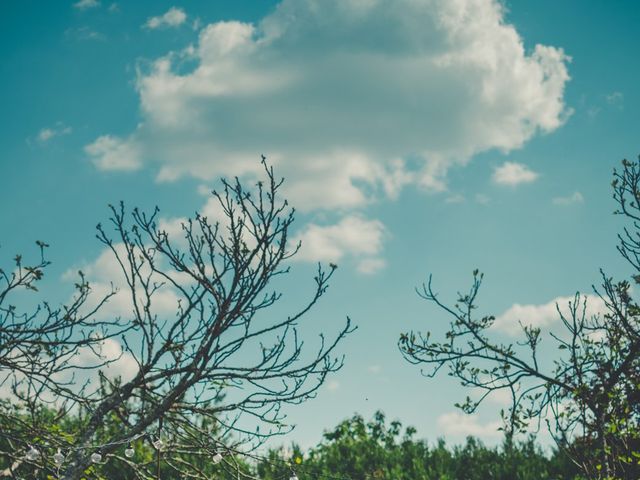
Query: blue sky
point(416, 137)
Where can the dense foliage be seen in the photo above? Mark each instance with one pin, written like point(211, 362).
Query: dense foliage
point(353, 450)
point(361, 450)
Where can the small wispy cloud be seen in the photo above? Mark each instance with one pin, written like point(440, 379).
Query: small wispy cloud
point(353, 236)
point(513, 174)
point(544, 316)
point(614, 98)
point(593, 111)
point(501, 397)
point(84, 33)
point(173, 18)
point(459, 424)
point(333, 385)
point(112, 153)
point(575, 197)
point(369, 266)
point(47, 133)
point(455, 198)
point(482, 199)
point(86, 4)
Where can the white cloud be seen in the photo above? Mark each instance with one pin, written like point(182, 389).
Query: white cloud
point(543, 316)
point(57, 130)
point(575, 197)
point(369, 266)
point(512, 174)
point(86, 4)
point(120, 363)
point(174, 17)
point(351, 100)
point(501, 397)
point(45, 134)
point(455, 198)
point(333, 385)
point(84, 34)
point(173, 227)
point(615, 98)
point(462, 425)
point(105, 274)
point(112, 153)
point(353, 235)
point(81, 369)
point(482, 199)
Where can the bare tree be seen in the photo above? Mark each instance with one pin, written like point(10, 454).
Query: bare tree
point(590, 393)
point(38, 348)
point(35, 343)
point(212, 373)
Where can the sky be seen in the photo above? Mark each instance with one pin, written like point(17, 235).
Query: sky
point(416, 137)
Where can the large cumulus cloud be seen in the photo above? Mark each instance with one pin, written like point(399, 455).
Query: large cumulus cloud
point(350, 98)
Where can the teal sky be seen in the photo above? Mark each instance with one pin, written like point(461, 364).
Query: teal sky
point(416, 137)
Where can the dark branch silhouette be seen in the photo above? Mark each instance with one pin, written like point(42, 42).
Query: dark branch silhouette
point(589, 395)
point(213, 371)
